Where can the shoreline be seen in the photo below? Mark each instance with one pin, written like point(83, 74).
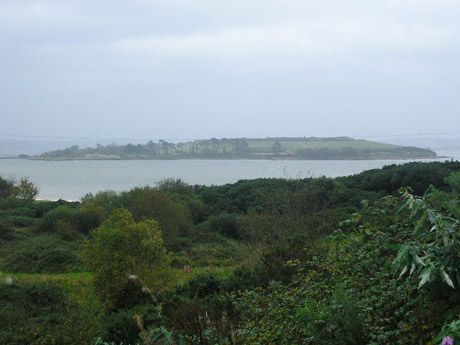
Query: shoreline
point(228, 159)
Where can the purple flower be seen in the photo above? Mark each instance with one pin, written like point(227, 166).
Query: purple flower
point(448, 341)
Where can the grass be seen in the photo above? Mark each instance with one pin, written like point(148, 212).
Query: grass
point(76, 285)
point(79, 285)
point(292, 145)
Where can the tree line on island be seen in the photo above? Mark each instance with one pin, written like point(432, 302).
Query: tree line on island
point(244, 148)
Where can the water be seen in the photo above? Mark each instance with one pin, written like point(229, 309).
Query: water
point(71, 180)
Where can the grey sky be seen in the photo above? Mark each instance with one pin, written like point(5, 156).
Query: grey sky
point(211, 68)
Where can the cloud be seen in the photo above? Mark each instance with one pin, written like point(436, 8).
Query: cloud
point(64, 64)
point(314, 37)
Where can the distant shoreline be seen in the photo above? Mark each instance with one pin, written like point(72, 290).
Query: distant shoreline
point(230, 159)
point(272, 148)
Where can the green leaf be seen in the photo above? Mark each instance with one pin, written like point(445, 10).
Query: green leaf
point(404, 270)
point(426, 276)
point(418, 260)
point(447, 279)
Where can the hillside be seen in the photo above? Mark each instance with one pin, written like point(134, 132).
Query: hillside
point(244, 148)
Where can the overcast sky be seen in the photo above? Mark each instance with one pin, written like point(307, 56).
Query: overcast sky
point(233, 68)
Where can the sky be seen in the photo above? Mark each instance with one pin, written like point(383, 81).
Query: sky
point(188, 69)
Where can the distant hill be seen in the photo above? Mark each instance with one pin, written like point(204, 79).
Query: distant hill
point(311, 148)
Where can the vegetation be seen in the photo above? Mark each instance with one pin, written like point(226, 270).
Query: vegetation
point(122, 250)
point(25, 190)
point(243, 148)
point(366, 259)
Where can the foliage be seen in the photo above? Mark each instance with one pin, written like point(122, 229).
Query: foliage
point(183, 194)
point(306, 261)
point(6, 188)
point(226, 224)
point(40, 314)
point(150, 203)
point(121, 326)
point(418, 176)
point(337, 322)
point(434, 249)
point(42, 254)
point(450, 330)
point(386, 309)
point(7, 232)
point(69, 222)
point(122, 250)
point(25, 190)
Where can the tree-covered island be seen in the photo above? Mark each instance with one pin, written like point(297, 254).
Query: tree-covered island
point(244, 148)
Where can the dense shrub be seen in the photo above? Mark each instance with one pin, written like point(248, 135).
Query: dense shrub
point(41, 254)
point(227, 224)
point(6, 231)
point(121, 325)
point(59, 222)
point(40, 314)
point(337, 322)
point(87, 218)
point(418, 176)
point(6, 188)
point(285, 261)
point(202, 285)
point(163, 204)
point(184, 194)
point(11, 203)
point(105, 200)
point(22, 213)
point(149, 203)
point(69, 222)
point(122, 251)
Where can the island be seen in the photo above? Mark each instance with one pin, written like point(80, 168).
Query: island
point(301, 148)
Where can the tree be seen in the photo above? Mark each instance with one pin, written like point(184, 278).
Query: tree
point(25, 190)
point(6, 188)
point(240, 146)
point(121, 251)
point(150, 203)
point(276, 147)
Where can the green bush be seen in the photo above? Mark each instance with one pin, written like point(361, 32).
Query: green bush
point(11, 203)
point(7, 232)
point(202, 285)
point(6, 188)
point(227, 224)
point(339, 322)
point(149, 203)
point(42, 254)
point(70, 222)
point(122, 251)
point(87, 218)
point(59, 221)
point(184, 194)
point(40, 314)
point(120, 326)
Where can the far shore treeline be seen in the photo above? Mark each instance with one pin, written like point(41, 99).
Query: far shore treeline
point(311, 148)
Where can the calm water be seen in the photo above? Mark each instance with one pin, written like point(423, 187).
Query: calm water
point(72, 179)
